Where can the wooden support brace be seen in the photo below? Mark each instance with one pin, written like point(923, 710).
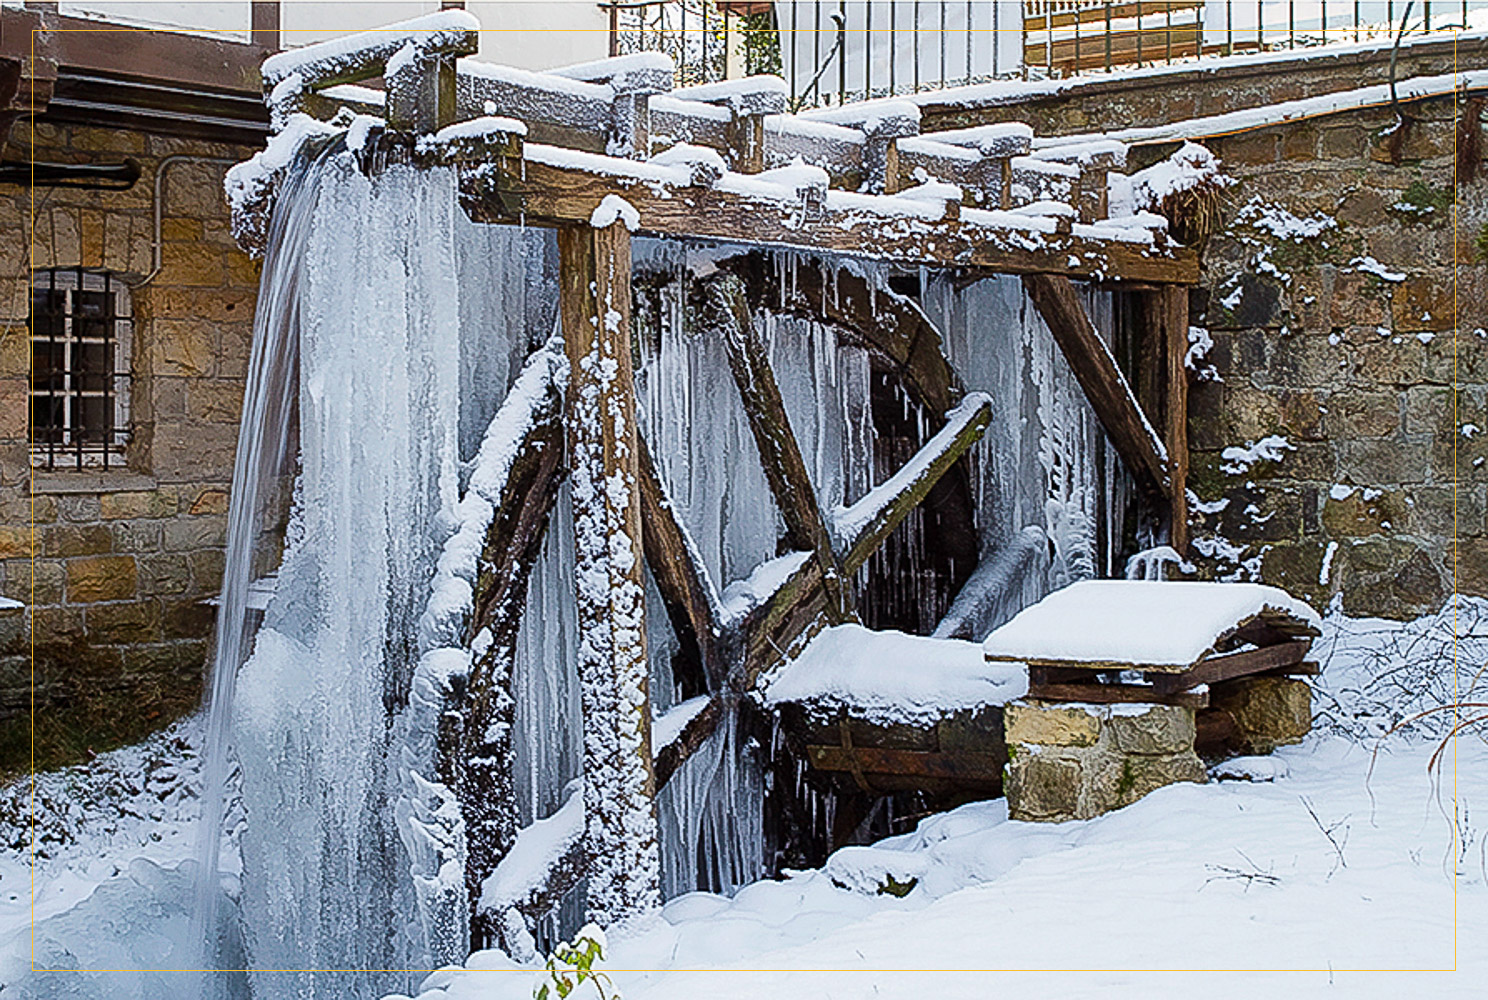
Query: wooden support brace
point(619, 781)
point(785, 470)
point(876, 516)
point(693, 735)
point(1175, 329)
point(681, 578)
point(1105, 386)
point(1280, 658)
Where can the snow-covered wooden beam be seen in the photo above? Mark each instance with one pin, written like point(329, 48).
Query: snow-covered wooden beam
point(863, 527)
point(681, 731)
point(547, 860)
point(532, 464)
point(785, 469)
point(564, 187)
point(619, 783)
point(1106, 388)
point(686, 591)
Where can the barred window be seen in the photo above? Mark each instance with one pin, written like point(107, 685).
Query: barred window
point(81, 334)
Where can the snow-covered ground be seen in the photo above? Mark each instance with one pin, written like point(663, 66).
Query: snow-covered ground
point(1348, 873)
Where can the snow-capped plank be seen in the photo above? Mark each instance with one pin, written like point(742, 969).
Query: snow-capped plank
point(546, 860)
point(863, 526)
point(565, 186)
point(353, 58)
point(1141, 625)
point(679, 733)
point(1106, 388)
point(891, 676)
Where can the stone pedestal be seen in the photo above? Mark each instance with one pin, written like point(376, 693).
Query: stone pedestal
point(1260, 714)
point(1078, 761)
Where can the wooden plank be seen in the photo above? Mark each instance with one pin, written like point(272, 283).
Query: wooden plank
point(893, 327)
point(1117, 694)
point(965, 765)
point(1105, 386)
point(567, 194)
point(619, 785)
point(775, 629)
point(1231, 665)
point(480, 760)
point(693, 736)
point(913, 483)
point(1175, 412)
point(1149, 45)
point(785, 469)
point(679, 577)
point(1100, 13)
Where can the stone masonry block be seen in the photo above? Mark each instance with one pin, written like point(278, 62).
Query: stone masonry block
point(101, 578)
point(1160, 729)
point(1268, 712)
point(1044, 724)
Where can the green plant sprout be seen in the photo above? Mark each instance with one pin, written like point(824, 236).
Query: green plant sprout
point(572, 965)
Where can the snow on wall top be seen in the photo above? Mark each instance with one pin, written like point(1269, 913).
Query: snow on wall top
point(1286, 111)
point(1136, 622)
point(442, 31)
point(892, 677)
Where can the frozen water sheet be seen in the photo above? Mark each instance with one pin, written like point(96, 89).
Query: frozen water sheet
point(1137, 622)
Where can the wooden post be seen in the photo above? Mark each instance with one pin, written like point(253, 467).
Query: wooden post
point(619, 780)
point(1175, 328)
point(265, 24)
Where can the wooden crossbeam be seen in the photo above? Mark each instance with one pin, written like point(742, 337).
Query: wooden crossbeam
point(961, 765)
point(1281, 657)
point(1105, 386)
point(876, 516)
point(481, 764)
point(785, 469)
point(561, 187)
point(1116, 694)
point(692, 736)
point(680, 576)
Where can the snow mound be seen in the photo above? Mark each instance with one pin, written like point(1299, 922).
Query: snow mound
point(1137, 621)
point(873, 871)
point(892, 677)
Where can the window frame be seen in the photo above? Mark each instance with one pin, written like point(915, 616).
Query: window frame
point(65, 440)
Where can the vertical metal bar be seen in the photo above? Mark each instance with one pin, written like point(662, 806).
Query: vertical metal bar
point(1108, 35)
point(915, 36)
point(53, 431)
point(108, 367)
point(943, 41)
point(1323, 5)
point(1291, 24)
point(842, 52)
point(1168, 34)
point(1077, 37)
point(893, 46)
point(796, 45)
point(615, 29)
point(1260, 24)
point(996, 38)
point(75, 387)
point(867, 49)
point(1139, 33)
point(1426, 15)
point(724, 14)
point(1229, 30)
point(1049, 35)
point(968, 41)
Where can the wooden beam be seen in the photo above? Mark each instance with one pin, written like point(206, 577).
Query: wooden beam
point(567, 190)
point(481, 764)
point(1231, 665)
point(1105, 386)
point(1117, 694)
point(619, 781)
point(873, 518)
point(964, 765)
point(679, 575)
point(692, 736)
point(775, 629)
point(1175, 411)
point(785, 469)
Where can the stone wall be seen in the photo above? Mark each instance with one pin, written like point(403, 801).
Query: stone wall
point(1361, 347)
point(1356, 338)
point(123, 558)
point(1176, 93)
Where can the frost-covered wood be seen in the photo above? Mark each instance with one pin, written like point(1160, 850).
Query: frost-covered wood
point(785, 470)
point(1105, 386)
point(864, 526)
point(692, 605)
point(565, 186)
point(620, 820)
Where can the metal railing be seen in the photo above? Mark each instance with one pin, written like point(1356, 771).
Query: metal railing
point(833, 51)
